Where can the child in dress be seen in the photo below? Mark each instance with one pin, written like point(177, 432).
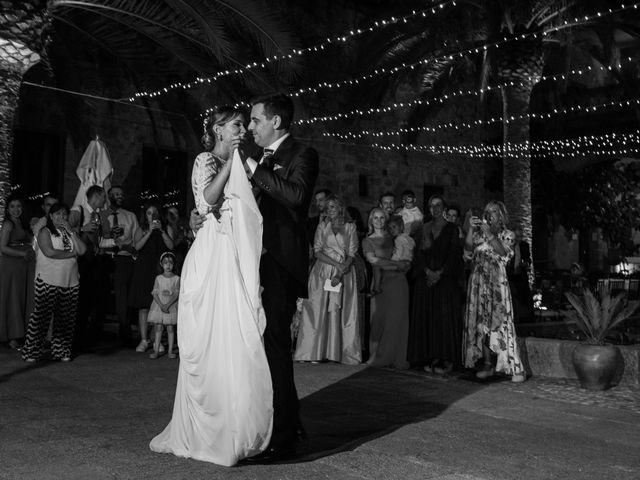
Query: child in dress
point(403, 246)
point(164, 308)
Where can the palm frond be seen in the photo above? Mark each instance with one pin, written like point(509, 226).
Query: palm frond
point(597, 319)
point(209, 25)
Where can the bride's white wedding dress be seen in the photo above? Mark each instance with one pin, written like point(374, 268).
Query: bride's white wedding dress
point(223, 405)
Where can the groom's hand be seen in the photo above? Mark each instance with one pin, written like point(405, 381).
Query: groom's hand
point(196, 220)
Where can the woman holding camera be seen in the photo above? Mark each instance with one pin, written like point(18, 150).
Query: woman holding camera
point(489, 330)
point(150, 241)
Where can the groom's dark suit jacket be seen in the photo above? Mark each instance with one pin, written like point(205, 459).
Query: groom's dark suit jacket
point(286, 192)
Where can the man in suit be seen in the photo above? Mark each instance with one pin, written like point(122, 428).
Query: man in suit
point(284, 179)
point(321, 204)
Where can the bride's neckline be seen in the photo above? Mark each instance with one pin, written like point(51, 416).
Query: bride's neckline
point(218, 157)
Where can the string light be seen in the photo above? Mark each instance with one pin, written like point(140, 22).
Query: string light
point(341, 39)
point(452, 56)
point(613, 144)
point(385, 71)
point(449, 57)
point(461, 92)
point(477, 123)
point(39, 196)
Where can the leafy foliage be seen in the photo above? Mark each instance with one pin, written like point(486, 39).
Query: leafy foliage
point(596, 318)
point(159, 41)
point(609, 194)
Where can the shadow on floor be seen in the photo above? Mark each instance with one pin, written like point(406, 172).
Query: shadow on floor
point(357, 409)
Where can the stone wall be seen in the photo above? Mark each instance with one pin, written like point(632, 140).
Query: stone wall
point(125, 129)
point(345, 166)
point(462, 178)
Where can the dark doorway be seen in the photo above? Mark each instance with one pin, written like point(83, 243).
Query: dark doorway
point(37, 166)
point(165, 177)
point(427, 192)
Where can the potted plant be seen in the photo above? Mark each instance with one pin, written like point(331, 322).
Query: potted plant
point(595, 362)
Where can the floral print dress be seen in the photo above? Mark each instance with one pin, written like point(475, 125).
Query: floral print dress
point(489, 308)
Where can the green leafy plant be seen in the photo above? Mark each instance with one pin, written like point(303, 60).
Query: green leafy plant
point(597, 318)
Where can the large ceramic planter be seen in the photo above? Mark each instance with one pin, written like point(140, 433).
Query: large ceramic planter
point(596, 365)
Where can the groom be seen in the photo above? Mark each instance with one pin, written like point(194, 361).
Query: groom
point(283, 179)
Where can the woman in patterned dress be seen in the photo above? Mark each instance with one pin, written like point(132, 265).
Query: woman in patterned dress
point(57, 285)
point(489, 328)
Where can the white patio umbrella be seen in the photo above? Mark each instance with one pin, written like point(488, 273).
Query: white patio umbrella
point(94, 169)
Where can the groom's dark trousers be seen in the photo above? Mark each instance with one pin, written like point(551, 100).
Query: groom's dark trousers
point(286, 187)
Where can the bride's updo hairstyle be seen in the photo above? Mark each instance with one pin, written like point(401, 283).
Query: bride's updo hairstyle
point(219, 116)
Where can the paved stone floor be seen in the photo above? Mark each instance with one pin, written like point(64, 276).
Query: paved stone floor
point(93, 418)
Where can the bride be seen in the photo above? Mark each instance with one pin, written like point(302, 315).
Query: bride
point(223, 405)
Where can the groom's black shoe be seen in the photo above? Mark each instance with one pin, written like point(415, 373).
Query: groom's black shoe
point(272, 455)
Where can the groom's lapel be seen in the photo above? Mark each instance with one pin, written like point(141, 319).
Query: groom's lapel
point(282, 157)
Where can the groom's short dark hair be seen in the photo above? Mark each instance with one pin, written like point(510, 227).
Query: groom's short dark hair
point(276, 104)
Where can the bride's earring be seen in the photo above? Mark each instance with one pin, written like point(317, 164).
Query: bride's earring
point(219, 137)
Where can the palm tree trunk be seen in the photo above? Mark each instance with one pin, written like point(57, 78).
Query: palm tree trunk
point(15, 60)
point(517, 159)
point(522, 66)
point(9, 88)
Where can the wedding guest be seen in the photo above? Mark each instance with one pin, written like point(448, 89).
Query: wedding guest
point(164, 307)
point(16, 273)
point(320, 201)
point(118, 230)
point(390, 309)
point(182, 236)
point(435, 329)
point(150, 241)
point(38, 222)
point(388, 203)
point(488, 324)
point(518, 274)
point(85, 220)
point(403, 246)
point(411, 214)
point(329, 328)
point(56, 287)
point(452, 215)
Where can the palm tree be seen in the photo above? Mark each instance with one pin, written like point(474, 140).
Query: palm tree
point(152, 42)
point(470, 26)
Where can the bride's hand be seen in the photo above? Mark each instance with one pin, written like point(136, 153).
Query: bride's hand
point(240, 143)
point(196, 220)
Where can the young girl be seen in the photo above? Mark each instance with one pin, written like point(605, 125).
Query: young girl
point(164, 308)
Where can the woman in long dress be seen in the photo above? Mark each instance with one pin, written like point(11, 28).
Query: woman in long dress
point(435, 328)
point(390, 308)
point(223, 405)
point(329, 327)
point(488, 327)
